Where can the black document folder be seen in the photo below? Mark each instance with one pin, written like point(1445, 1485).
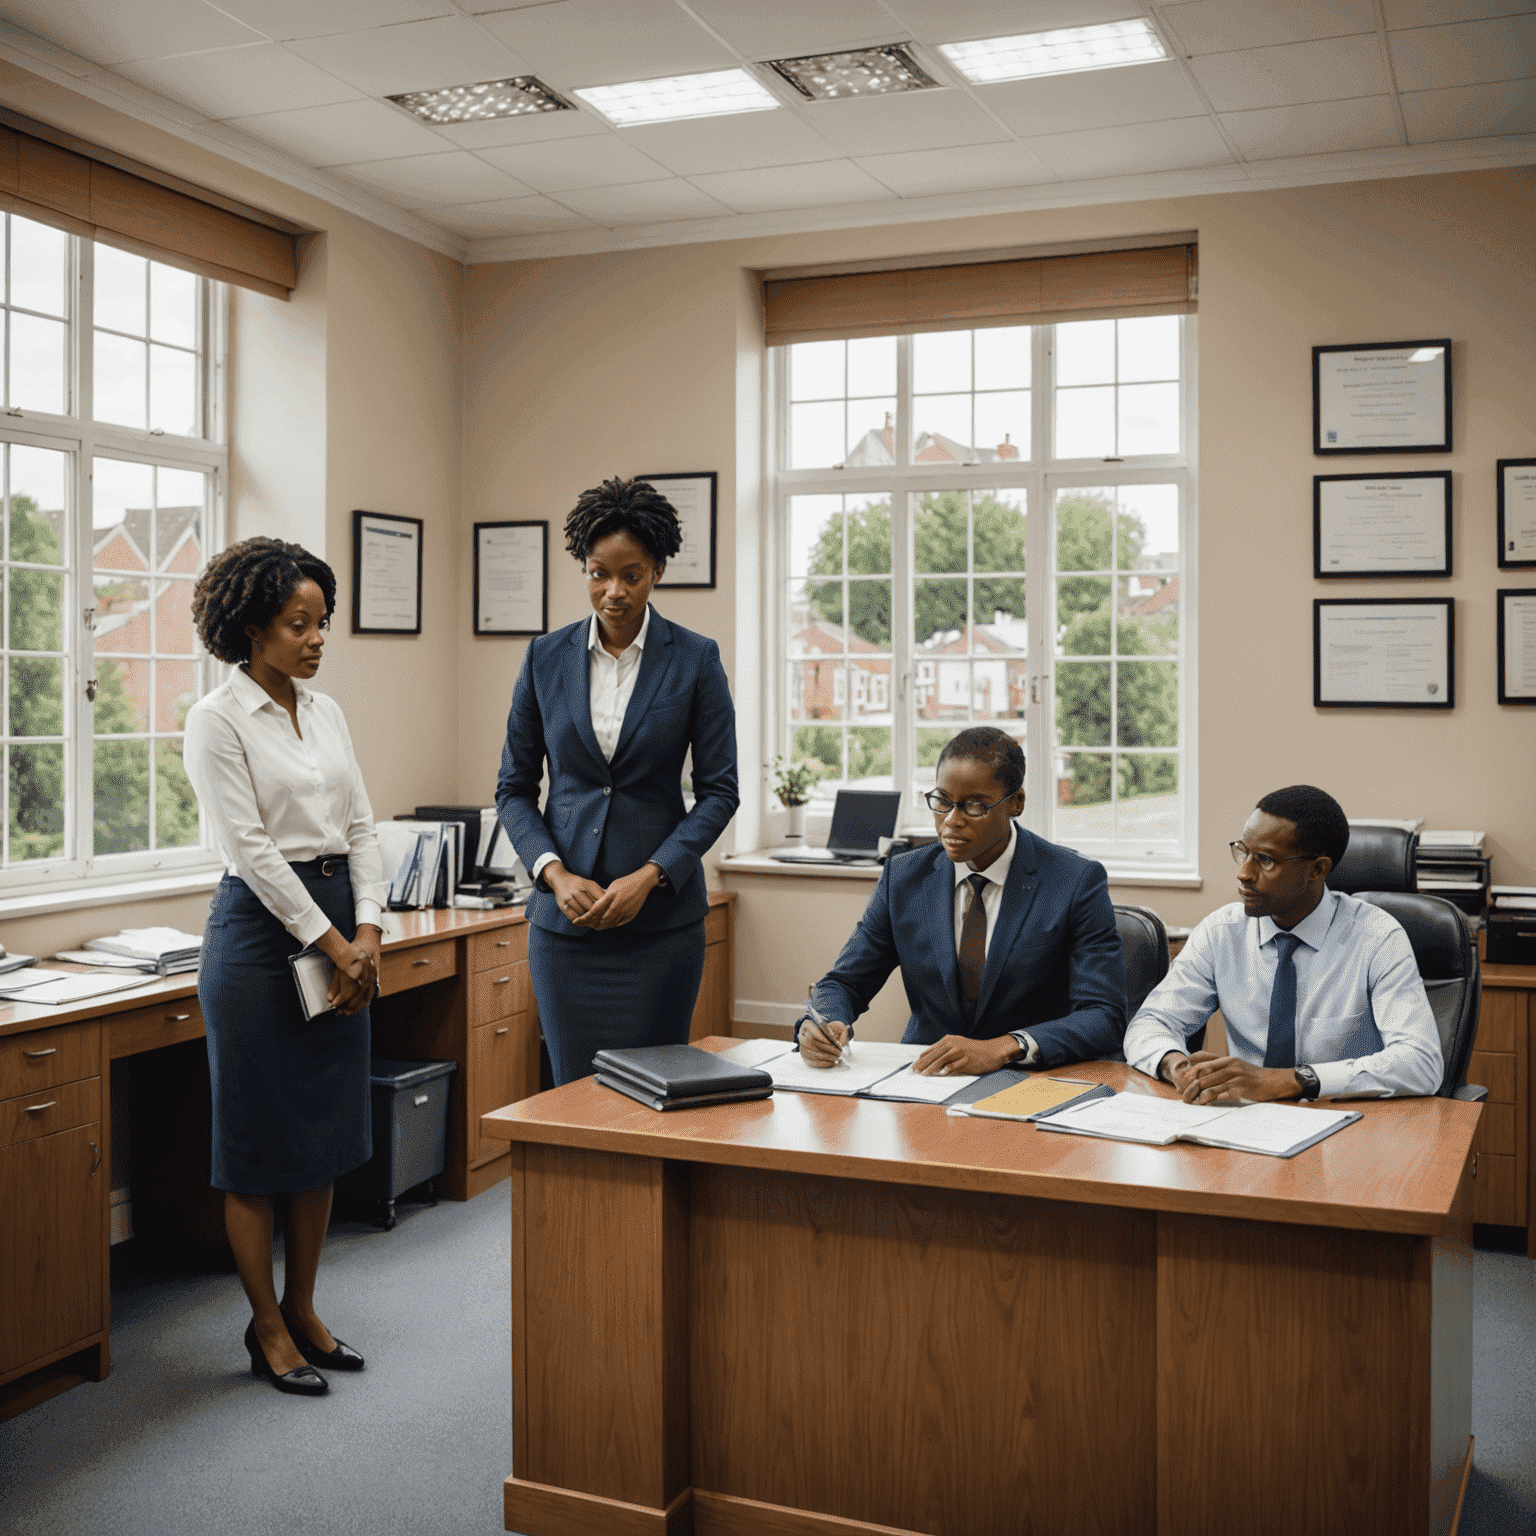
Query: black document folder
point(678, 1076)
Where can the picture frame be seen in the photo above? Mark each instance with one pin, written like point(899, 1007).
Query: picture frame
point(1381, 525)
point(511, 578)
point(1517, 645)
point(1384, 653)
point(693, 497)
point(1381, 397)
point(386, 573)
point(1517, 514)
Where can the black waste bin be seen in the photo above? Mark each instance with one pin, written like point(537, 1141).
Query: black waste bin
point(410, 1133)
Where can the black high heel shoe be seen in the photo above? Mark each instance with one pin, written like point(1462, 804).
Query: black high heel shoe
point(342, 1358)
point(306, 1381)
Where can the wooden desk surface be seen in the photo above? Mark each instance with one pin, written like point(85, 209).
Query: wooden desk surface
point(1397, 1170)
point(416, 928)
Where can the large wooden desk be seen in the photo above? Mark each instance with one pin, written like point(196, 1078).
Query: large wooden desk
point(815, 1316)
point(454, 987)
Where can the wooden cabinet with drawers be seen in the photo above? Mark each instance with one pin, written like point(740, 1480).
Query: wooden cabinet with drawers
point(1502, 1062)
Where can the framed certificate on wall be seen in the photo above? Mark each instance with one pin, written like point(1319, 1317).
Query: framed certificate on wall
point(1382, 397)
point(693, 499)
point(1382, 525)
point(1517, 645)
point(1517, 513)
point(386, 574)
point(512, 578)
point(1393, 653)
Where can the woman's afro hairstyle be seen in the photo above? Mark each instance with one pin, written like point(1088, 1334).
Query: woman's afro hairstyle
point(634, 507)
point(248, 584)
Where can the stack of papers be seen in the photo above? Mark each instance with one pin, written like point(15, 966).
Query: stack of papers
point(1458, 843)
point(15, 962)
point(1514, 898)
point(60, 987)
point(1276, 1130)
point(1403, 824)
point(158, 951)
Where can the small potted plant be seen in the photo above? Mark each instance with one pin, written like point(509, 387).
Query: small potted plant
point(792, 784)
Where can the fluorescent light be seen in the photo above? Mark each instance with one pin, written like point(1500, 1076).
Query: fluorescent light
point(855, 72)
point(678, 96)
point(1056, 53)
point(488, 99)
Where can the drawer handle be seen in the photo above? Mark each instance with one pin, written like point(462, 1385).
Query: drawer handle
point(177, 1018)
point(502, 1030)
point(421, 962)
point(501, 981)
point(37, 1109)
point(420, 1099)
point(97, 1150)
point(52, 1050)
point(503, 943)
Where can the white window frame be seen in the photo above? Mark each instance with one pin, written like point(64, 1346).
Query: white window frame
point(79, 871)
point(1040, 477)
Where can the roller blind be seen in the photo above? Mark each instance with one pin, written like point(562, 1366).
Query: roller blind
point(1158, 280)
point(71, 191)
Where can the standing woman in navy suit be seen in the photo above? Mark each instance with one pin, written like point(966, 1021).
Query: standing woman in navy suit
point(614, 703)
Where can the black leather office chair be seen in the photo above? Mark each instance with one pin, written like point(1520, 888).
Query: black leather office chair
point(1144, 949)
point(1377, 859)
point(1446, 954)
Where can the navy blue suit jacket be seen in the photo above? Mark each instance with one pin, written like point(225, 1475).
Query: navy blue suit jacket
point(1054, 965)
point(605, 819)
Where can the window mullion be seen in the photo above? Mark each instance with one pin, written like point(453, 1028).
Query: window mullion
point(1039, 589)
point(903, 728)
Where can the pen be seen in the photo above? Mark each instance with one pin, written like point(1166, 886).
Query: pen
point(817, 1017)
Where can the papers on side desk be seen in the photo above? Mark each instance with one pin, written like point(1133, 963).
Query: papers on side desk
point(43, 986)
point(1276, 1130)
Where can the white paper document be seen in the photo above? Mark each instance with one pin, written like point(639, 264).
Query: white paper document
point(509, 590)
point(693, 499)
point(1519, 486)
point(1381, 398)
point(753, 1053)
point(872, 1061)
point(1276, 1130)
point(390, 556)
point(1383, 653)
point(58, 987)
point(1382, 526)
point(921, 1089)
point(1519, 647)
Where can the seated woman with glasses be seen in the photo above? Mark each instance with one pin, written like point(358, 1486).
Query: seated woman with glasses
point(1006, 943)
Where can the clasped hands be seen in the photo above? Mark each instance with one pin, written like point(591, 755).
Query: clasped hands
point(588, 905)
point(355, 977)
point(1206, 1078)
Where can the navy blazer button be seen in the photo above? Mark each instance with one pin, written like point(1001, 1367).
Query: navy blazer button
point(607, 790)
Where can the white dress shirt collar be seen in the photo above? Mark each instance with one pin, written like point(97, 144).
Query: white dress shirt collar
point(595, 634)
point(1311, 930)
point(252, 695)
point(997, 870)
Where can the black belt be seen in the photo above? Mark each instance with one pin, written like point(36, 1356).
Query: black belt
point(332, 864)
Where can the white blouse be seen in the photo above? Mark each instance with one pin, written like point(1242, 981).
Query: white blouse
point(275, 798)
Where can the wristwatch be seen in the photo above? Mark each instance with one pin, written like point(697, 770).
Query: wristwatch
point(1310, 1087)
point(661, 874)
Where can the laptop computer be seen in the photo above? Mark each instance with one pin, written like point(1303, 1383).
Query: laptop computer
point(860, 818)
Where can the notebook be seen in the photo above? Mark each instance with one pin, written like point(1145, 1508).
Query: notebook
point(312, 972)
point(678, 1076)
point(1029, 1098)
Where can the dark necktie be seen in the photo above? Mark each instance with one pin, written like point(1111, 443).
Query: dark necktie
point(1280, 1049)
point(973, 943)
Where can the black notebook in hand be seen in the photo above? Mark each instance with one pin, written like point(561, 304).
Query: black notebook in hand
point(678, 1076)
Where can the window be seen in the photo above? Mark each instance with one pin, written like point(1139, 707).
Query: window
point(111, 480)
point(994, 527)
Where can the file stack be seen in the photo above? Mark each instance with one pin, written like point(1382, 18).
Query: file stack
point(1453, 865)
point(421, 861)
point(154, 951)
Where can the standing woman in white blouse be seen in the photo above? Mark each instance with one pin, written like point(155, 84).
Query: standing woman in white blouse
point(276, 778)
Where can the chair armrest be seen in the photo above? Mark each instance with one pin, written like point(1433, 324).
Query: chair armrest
point(1470, 1093)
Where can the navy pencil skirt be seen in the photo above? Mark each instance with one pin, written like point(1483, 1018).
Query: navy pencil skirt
point(613, 988)
point(291, 1104)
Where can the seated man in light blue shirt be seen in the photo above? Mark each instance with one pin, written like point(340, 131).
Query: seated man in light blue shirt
point(1319, 990)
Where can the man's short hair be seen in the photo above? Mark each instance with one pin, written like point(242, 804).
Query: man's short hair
point(1322, 829)
point(997, 749)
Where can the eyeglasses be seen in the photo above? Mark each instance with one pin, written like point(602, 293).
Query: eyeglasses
point(1241, 855)
point(942, 805)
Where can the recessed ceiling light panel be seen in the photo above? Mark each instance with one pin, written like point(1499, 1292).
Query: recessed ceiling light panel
point(488, 99)
point(1066, 52)
point(858, 72)
point(714, 94)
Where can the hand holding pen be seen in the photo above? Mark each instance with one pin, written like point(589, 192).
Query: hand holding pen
point(824, 1042)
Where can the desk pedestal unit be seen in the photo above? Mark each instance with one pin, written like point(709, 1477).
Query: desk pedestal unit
point(1503, 1060)
point(454, 988)
point(813, 1315)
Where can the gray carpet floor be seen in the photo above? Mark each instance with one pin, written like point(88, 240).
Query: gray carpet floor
point(183, 1441)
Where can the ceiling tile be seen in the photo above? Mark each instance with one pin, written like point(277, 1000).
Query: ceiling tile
point(508, 216)
point(563, 164)
point(653, 202)
point(977, 167)
point(413, 56)
point(109, 32)
point(593, 42)
point(525, 128)
point(1292, 74)
point(1324, 127)
point(880, 125)
point(345, 134)
point(1469, 53)
point(285, 19)
point(1222, 26)
point(1100, 98)
point(793, 28)
point(734, 143)
point(793, 186)
point(423, 181)
point(1470, 111)
point(953, 21)
point(1432, 13)
point(234, 82)
point(1175, 146)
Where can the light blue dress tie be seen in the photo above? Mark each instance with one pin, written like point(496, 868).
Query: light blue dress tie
point(1280, 1048)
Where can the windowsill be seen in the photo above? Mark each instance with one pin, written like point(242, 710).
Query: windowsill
point(117, 893)
point(759, 863)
